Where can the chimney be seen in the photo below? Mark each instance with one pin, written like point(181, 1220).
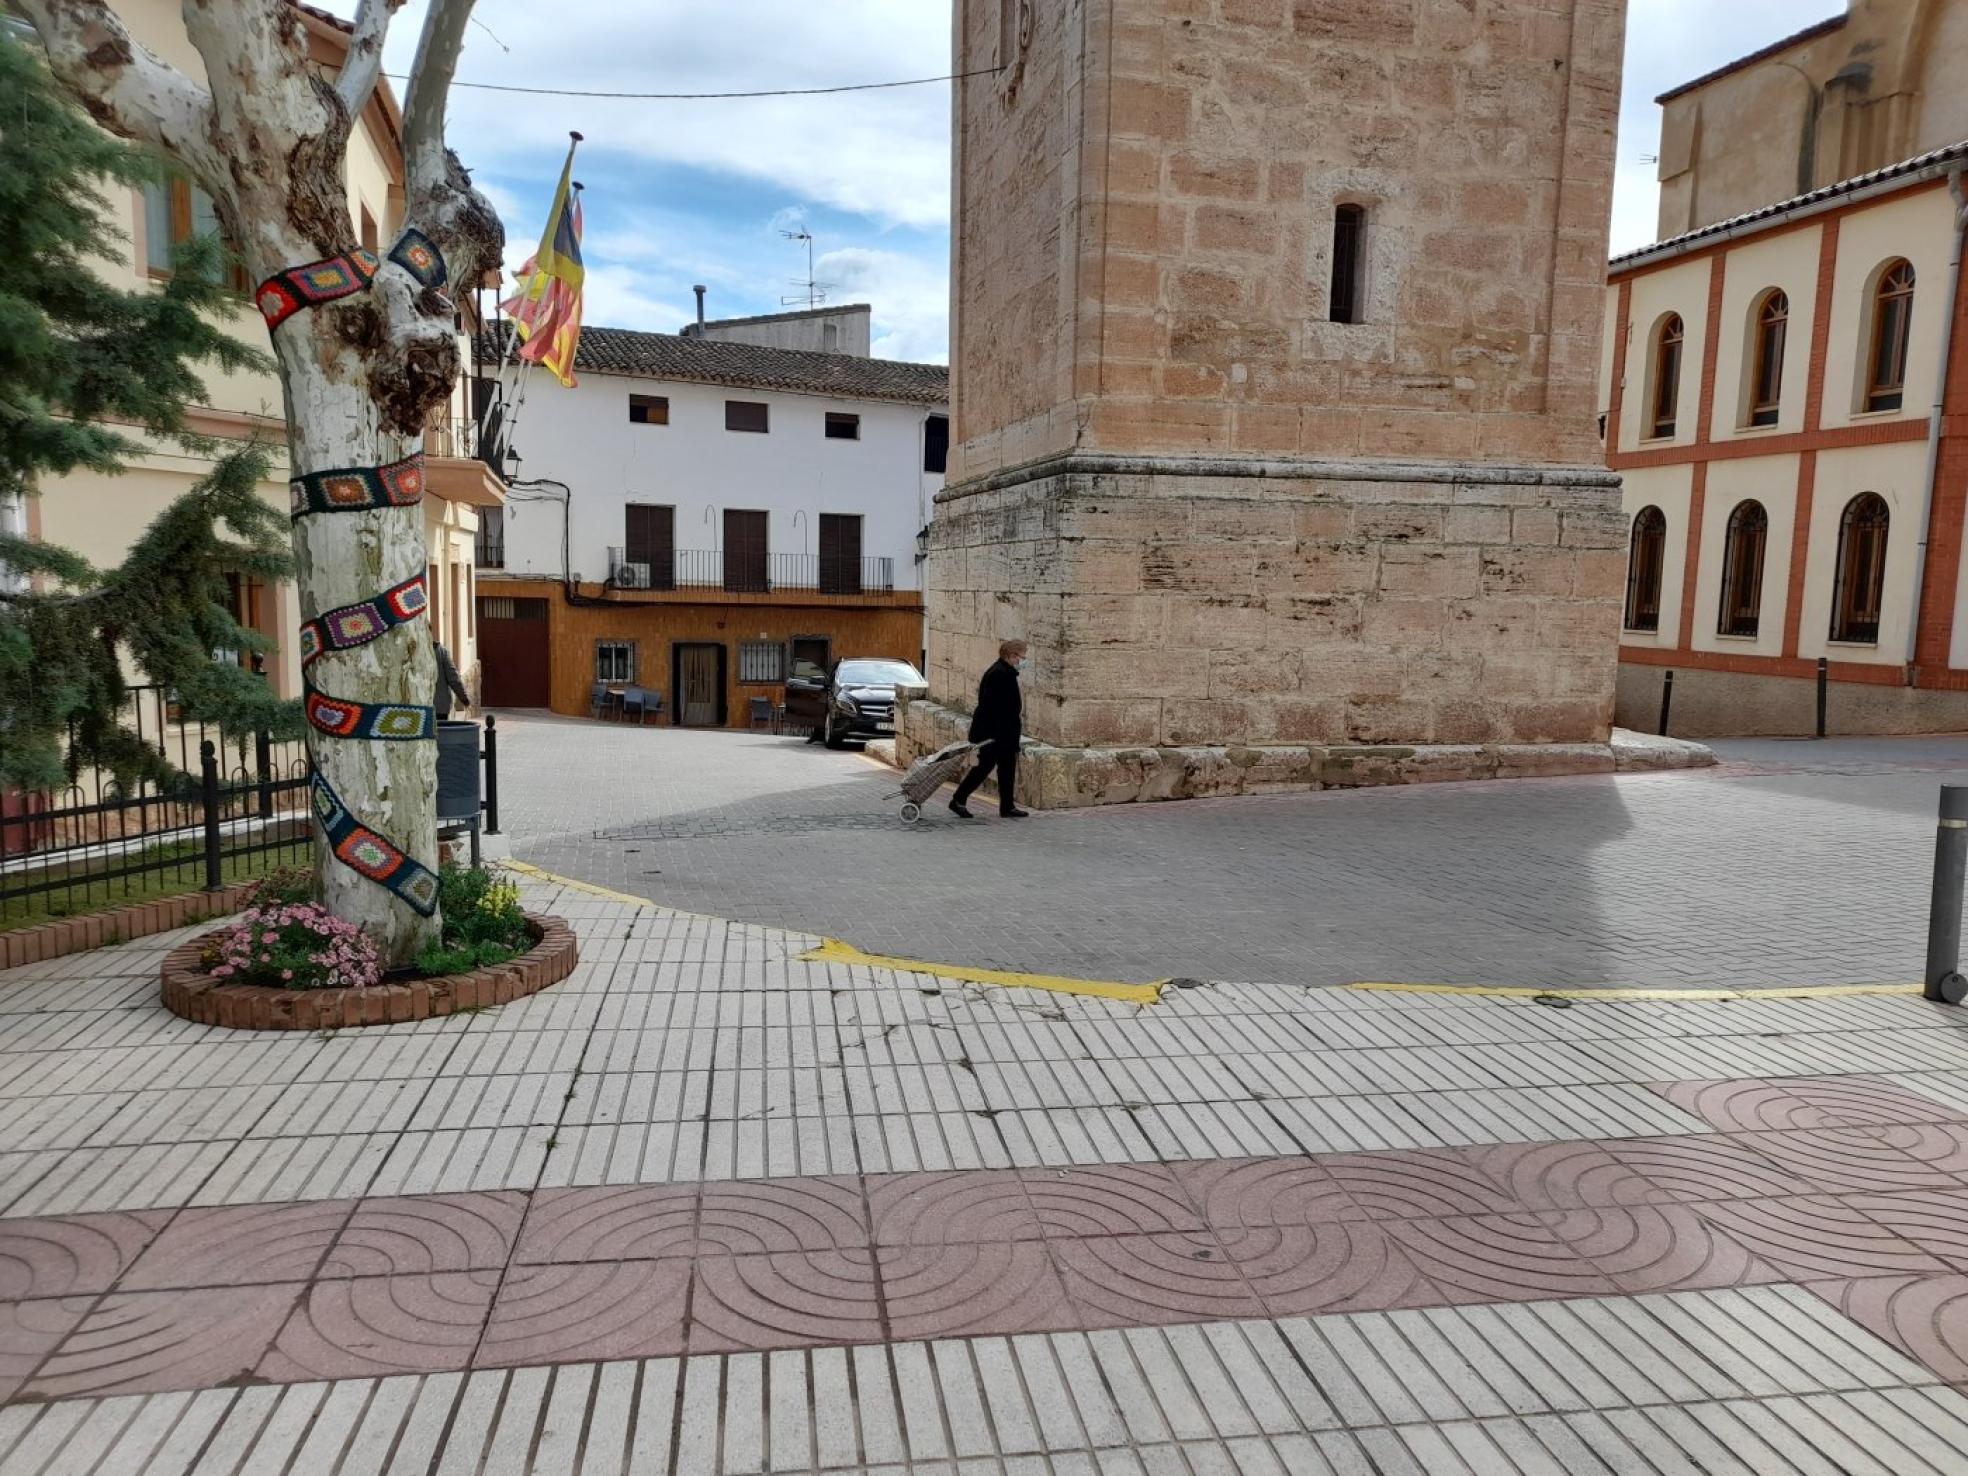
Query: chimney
point(699, 290)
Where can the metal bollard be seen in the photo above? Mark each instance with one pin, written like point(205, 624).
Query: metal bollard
point(490, 804)
point(1824, 683)
point(1944, 983)
point(1667, 700)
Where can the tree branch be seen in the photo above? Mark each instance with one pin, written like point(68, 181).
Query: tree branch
point(124, 87)
point(365, 58)
point(423, 106)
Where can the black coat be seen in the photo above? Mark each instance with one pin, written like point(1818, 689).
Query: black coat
point(999, 706)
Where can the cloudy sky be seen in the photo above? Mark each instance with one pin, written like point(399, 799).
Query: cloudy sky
point(700, 191)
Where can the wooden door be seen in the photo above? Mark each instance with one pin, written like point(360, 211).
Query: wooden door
point(744, 549)
point(699, 686)
point(840, 553)
point(513, 653)
point(649, 537)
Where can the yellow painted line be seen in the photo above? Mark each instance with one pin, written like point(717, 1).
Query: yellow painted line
point(1627, 995)
point(526, 868)
point(835, 951)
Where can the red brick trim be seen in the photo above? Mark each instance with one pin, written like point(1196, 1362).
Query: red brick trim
point(1821, 326)
point(1935, 638)
point(1691, 556)
point(1800, 540)
point(1879, 433)
point(189, 991)
point(1711, 355)
point(118, 924)
point(1616, 391)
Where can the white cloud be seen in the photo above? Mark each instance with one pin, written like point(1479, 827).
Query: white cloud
point(911, 299)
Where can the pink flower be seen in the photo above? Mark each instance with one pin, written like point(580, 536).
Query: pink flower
point(286, 973)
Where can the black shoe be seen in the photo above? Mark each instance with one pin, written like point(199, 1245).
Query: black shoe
point(957, 809)
point(1013, 814)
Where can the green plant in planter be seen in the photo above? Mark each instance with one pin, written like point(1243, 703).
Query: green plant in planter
point(483, 923)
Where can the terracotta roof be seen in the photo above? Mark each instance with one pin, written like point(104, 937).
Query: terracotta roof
point(752, 366)
point(346, 27)
point(819, 312)
point(1810, 33)
point(1955, 153)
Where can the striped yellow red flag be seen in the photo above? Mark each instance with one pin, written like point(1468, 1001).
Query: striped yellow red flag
point(546, 311)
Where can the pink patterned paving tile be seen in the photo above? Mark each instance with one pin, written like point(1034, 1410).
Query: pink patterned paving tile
point(29, 1331)
point(1941, 1146)
point(1816, 1237)
point(146, 1342)
point(1110, 1199)
point(964, 1207)
point(1658, 1248)
point(1926, 1317)
point(367, 1327)
point(809, 1214)
point(62, 1255)
point(1143, 1280)
point(1803, 1102)
point(956, 1291)
point(593, 1310)
point(640, 1221)
point(1936, 1221)
point(1498, 1258)
point(1416, 1184)
point(428, 1233)
point(1853, 1160)
point(1555, 1176)
point(239, 1245)
point(1337, 1266)
point(795, 1299)
point(1249, 1192)
point(1706, 1166)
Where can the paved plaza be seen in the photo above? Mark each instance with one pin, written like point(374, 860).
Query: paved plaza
point(1791, 863)
point(722, 1202)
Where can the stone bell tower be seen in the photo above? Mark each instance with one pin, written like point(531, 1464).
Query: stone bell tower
point(1276, 330)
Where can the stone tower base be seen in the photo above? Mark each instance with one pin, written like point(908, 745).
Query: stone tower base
point(1052, 778)
point(1201, 603)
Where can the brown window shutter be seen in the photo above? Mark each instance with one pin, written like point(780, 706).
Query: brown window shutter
point(744, 549)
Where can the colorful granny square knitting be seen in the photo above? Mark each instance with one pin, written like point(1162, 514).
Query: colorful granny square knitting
point(418, 255)
point(276, 303)
point(399, 722)
point(403, 481)
point(408, 600)
point(366, 852)
point(347, 489)
point(335, 718)
point(353, 625)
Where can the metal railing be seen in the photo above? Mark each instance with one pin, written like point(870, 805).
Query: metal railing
point(748, 574)
point(490, 551)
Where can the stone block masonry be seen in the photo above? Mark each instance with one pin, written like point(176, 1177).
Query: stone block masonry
point(1247, 603)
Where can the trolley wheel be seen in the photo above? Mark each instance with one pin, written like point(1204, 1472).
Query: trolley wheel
point(911, 811)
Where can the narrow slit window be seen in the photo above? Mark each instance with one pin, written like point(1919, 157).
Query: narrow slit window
point(1349, 264)
point(1667, 375)
point(1861, 586)
point(1772, 327)
point(1644, 568)
point(1742, 570)
point(649, 409)
point(843, 427)
point(1892, 326)
point(746, 415)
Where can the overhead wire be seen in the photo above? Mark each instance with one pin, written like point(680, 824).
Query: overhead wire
point(712, 96)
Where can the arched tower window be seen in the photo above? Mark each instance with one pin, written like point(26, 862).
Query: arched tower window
point(1668, 339)
point(1348, 299)
point(1742, 570)
point(1643, 571)
point(1861, 579)
point(1771, 327)
point(1892, 326)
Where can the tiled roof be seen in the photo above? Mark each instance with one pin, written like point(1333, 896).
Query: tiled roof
point(1916, 165)
point(750, 366)
point(1809, 33)
point(819, 312)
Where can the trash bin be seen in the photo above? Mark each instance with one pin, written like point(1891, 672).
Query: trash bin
point(457, 772)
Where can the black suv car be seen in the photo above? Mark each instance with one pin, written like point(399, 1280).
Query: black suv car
point(854, 700)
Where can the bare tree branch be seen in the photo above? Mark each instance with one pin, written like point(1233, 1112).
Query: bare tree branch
point(126, 88)
point(424, 167)
point(365, 58)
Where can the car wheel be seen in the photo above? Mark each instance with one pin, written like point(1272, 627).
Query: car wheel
point(831, 738)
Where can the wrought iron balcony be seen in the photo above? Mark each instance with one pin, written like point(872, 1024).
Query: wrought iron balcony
point(742, 572)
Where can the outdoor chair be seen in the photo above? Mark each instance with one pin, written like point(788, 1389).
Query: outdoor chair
point(638, 704)
point(597, 699)
point(761, 712)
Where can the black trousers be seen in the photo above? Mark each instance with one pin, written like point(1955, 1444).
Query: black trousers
point(999, 755)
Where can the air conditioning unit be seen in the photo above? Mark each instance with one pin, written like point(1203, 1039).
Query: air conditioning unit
point(632, 576)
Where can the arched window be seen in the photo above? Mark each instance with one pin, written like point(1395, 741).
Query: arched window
point(1349, 264)
point(1892, 326)
point(1767, 358)
point(1667, 375)
point(1643, 570)
point(1742, 570)
point(1861, 569)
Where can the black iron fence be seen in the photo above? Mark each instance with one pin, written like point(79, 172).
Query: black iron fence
point(744, 571)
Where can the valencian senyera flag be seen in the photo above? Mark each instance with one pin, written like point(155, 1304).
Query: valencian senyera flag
point(546, 311)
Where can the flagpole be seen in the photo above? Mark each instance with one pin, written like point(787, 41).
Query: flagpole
point(512, 337)
point(526, 365)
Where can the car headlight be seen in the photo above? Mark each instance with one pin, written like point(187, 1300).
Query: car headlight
point(846, 704)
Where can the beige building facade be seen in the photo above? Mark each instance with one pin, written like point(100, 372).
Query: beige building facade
point(1841, 98)
point(1276, 328)
point(100, 517)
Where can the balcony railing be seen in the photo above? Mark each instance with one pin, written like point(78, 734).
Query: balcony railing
point(491, 549)
point(740, 573)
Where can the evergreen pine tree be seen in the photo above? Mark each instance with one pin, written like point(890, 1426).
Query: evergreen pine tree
point(81, 361)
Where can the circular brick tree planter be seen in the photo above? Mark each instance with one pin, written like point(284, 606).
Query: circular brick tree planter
point(191, 992)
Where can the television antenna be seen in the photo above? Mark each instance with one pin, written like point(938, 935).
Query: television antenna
point(813, 292)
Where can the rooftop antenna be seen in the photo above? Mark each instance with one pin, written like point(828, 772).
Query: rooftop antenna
point(815, 292)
